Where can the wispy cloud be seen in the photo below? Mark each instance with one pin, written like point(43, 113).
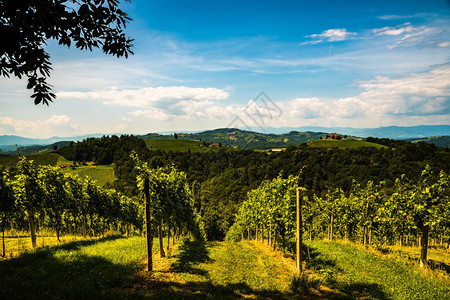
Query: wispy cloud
point(407, 35)
point(331, 35)
point(402, 17)
point(149, 96)
point(397, 30)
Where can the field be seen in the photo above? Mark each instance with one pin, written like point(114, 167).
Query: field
point(52, 159)
point(177, 145)
point(101, 174)
point(343, 144)
point(113, 268)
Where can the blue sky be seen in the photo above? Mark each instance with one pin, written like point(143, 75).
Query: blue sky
point(201, 65)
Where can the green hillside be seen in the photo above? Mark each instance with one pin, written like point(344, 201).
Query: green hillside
point(243, 139)
point(440, 141)
point(52, 159)
point(101, 174)
point(343, 144)
point(177, 145)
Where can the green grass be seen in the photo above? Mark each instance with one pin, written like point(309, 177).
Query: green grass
point(220, 270)
point(51, 159)
point(177, 145)
point(343, 144)
point(63, 161)
point(88, 269)
point(355, 272)
point(101, 174)
point(113, 268)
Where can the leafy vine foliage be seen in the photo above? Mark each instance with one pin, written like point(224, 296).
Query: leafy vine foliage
point(26, 25)
point(171, 199)
point(43, 196)
point(367, 214)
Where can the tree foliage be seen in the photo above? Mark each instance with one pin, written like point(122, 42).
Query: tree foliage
point(26, 25)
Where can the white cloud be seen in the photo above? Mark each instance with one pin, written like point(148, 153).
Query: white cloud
point(382, 101)
point(425, 93)
point(350, 107)
point(153, 114)
point(334, 35)
point(307, 108)
point(419, 98)
point(38, 128)
point(149, 96)
point(444, 44)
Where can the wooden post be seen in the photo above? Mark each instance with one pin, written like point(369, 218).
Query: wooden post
point(148, 225)
point(299, 233)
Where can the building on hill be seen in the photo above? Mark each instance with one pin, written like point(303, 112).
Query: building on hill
point(334, 136)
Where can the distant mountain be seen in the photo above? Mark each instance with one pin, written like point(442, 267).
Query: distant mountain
point(11, 142)
point(256, 139)
point(391, 132)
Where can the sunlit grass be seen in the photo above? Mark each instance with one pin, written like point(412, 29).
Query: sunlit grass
point(360, 273)
point(17, 242)
point(101, 174)
point(114, 268)
point(343, 144)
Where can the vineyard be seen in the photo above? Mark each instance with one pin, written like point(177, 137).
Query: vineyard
point(364, 242)
point(413, 213)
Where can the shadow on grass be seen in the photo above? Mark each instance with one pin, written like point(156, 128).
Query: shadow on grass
point(76, 245)
point(190, 253)
point(329, 270)
point(43, 274)
point(204, 290)
point(438, 265)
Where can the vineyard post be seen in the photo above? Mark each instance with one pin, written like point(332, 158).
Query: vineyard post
point(299, 232)
point(148, 224)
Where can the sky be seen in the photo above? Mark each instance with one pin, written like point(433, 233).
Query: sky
point(200, 65)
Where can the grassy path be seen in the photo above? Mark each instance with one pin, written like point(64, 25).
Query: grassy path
point(217, 271)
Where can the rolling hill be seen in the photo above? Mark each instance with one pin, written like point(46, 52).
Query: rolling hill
point(343, 144)
point(178, 145)
point(101, 174)
point(243, 139)
point(440, 141)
